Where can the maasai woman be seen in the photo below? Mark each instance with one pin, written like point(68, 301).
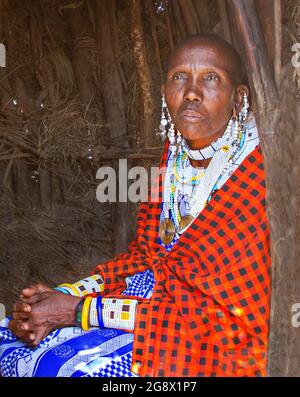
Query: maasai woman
point(191, 295)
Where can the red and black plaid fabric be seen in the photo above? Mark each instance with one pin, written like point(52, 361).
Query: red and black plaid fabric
point(209, 312)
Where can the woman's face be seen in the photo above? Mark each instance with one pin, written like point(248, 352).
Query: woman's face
point(200, 92)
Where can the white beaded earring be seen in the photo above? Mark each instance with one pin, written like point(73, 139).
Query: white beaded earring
point(179, 142)
point(243, 114)
point(167, 128)
point(236, 124)
point(163, 120)
point(172, 138)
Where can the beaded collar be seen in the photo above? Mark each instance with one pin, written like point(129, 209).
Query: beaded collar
point(181, 198)
point(202, 154)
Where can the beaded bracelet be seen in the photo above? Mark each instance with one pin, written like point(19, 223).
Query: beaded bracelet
point(63, 290)
point(99, 311)
point(69, 287)
point(87, 286)
point(119, 313)
point(85, 313)
point(78, 313)
point(105, 313)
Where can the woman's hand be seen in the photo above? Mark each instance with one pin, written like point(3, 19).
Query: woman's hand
point(21, 309)
point(41, 310)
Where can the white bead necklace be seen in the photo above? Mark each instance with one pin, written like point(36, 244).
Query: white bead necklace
point(230, 145)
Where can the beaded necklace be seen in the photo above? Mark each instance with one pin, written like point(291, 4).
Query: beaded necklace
point(203, 182)
point(202, 154)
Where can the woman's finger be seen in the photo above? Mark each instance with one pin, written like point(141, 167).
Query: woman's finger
point(21, 332)
point(33, 290)
point(21, 307)
point(32, 299)
point(29, 339)
point(40, 334)
point(20, 315)
point(18, 326)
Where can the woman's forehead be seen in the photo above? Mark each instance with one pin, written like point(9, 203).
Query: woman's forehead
point(202, 55)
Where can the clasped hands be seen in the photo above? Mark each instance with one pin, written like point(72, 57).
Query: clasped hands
point(39, 311)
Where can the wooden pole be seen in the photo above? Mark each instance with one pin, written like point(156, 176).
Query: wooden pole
point(278, 121)
point(259, 68)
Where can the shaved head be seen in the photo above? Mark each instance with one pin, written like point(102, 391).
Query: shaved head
point(229, 54)
point(204, 88)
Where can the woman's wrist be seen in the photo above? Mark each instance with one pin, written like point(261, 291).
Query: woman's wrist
point(69, 304)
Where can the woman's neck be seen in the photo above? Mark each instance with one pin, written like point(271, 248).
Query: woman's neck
point(197, 144)
point(200, 163)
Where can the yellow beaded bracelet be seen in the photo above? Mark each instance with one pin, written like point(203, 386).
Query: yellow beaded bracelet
point(74, 289)
point(85, 313)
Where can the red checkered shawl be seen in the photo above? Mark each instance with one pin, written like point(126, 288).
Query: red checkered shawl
point(209, 312)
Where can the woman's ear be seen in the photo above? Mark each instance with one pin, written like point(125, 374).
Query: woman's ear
point(239, 99)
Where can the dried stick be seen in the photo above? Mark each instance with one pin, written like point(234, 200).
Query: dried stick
point(145, 79)
point(189, 16)
point(202, 7)
point(169, 28)
point(178, 19)
point(155, 40)
point(222, 9)
point(278, 40)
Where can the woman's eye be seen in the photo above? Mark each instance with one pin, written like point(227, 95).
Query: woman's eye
point(179, 76)
point(212, 77)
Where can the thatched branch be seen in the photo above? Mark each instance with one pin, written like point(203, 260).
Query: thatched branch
point(189, 16)
point(223, 15)
point(202, 11)
point(155, 40)
point(83, 43)
point(144, 74)
point(178, 19)
point(111, 82)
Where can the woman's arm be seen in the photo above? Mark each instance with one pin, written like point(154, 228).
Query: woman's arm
point(32, 322)
point(43, 309)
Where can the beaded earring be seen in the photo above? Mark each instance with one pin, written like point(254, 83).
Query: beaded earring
point(163, 120)
point(243, 114)
point(167, 128)
point(240, 119)
point(236, 125)
point(179, 142)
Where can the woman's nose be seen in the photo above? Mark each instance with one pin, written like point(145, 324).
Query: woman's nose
point(193, 93)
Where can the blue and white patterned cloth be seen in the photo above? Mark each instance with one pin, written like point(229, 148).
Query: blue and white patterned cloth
point(71, 352)
point(68, 352)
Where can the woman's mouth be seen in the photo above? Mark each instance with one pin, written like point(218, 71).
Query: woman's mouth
point(191, 116)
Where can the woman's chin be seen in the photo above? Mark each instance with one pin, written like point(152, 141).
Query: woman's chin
point(195, 135)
